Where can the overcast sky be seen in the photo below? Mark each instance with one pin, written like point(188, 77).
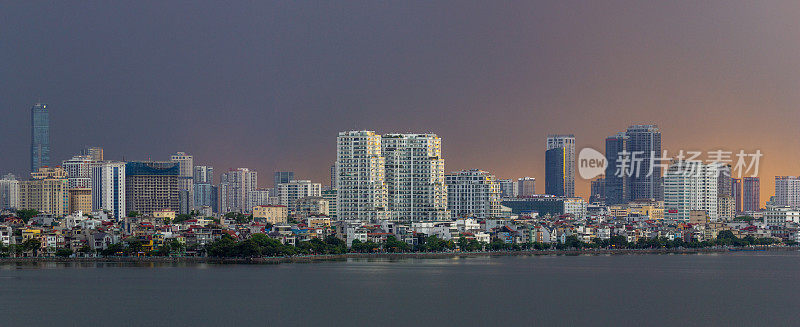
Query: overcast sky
point(267, 85)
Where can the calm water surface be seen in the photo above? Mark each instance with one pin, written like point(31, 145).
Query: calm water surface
point(737, 289)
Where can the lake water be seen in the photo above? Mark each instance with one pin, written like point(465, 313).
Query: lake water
point(735, 289)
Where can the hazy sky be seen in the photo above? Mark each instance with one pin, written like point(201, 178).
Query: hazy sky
point(268, 85)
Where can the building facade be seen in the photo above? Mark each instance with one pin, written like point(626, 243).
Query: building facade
point(9, 192)
point(690, 186)
point(108, 188)
point(560, 165)
point(95, 153)
point(526, 186)
point(414, 175)
point(185, 179)
point(46, 192)
point(616, 179)
point(79, 171)
point(508, 188)
point(80, 200)
point(472, 193)
point(736, 192)
point(235, 186)
point(751, 194)
point(360, 179)
point(645, 140)
point(40, 137)
point(289, 193)
point(598, 190)
point(152, 186)
point(787, 191)
point(280, 177)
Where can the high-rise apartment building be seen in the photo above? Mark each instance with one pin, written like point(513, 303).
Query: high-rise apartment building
point(40, 137)
point(560, 165)
point(787, 191)
point(185, 179)
point(235, 186)
point(598, 192)
point(690, 186)
point(526, 186)
point(644, 141)
point(79, 171)
point(260, 197)
point(46, 192)
point(414, 175)
point(508, 188)
point(289, 193)
point(330, 196)
point(80, 200)
point(751, 194)
point(333, 176)
point(203, 175)
point(726, 208)
point(360, 178)
point(281, 177)
point(725, 181)
point(108, 188)
point(95, 153)
point(736, 192)
point(9, 192)
point(152, 186)
point(205, 195)
point(472, 193)
point(616, 178)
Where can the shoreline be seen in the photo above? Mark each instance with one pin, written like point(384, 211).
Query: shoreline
point(418, 255)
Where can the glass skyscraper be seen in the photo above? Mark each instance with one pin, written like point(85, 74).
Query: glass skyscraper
point(40, 137)
point(559, 170)
point(646, 141)
point(616, 188)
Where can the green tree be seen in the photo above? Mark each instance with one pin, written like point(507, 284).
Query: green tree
point(394, 245)
point(133, 214)
point(32, 245)
point(63, 252)
point(27, 214)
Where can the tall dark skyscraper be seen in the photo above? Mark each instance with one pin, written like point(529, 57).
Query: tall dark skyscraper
point(751, 194)
point(559, 166)
point(282, 177)
point(736, 192)
point(644, 141)
point(616, 188)
point(598, 192)
point(554, 172)
point(40, 137)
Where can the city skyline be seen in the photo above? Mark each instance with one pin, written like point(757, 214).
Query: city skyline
point(491, 108)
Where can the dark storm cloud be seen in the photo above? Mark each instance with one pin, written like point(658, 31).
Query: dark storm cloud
point(268, 85)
